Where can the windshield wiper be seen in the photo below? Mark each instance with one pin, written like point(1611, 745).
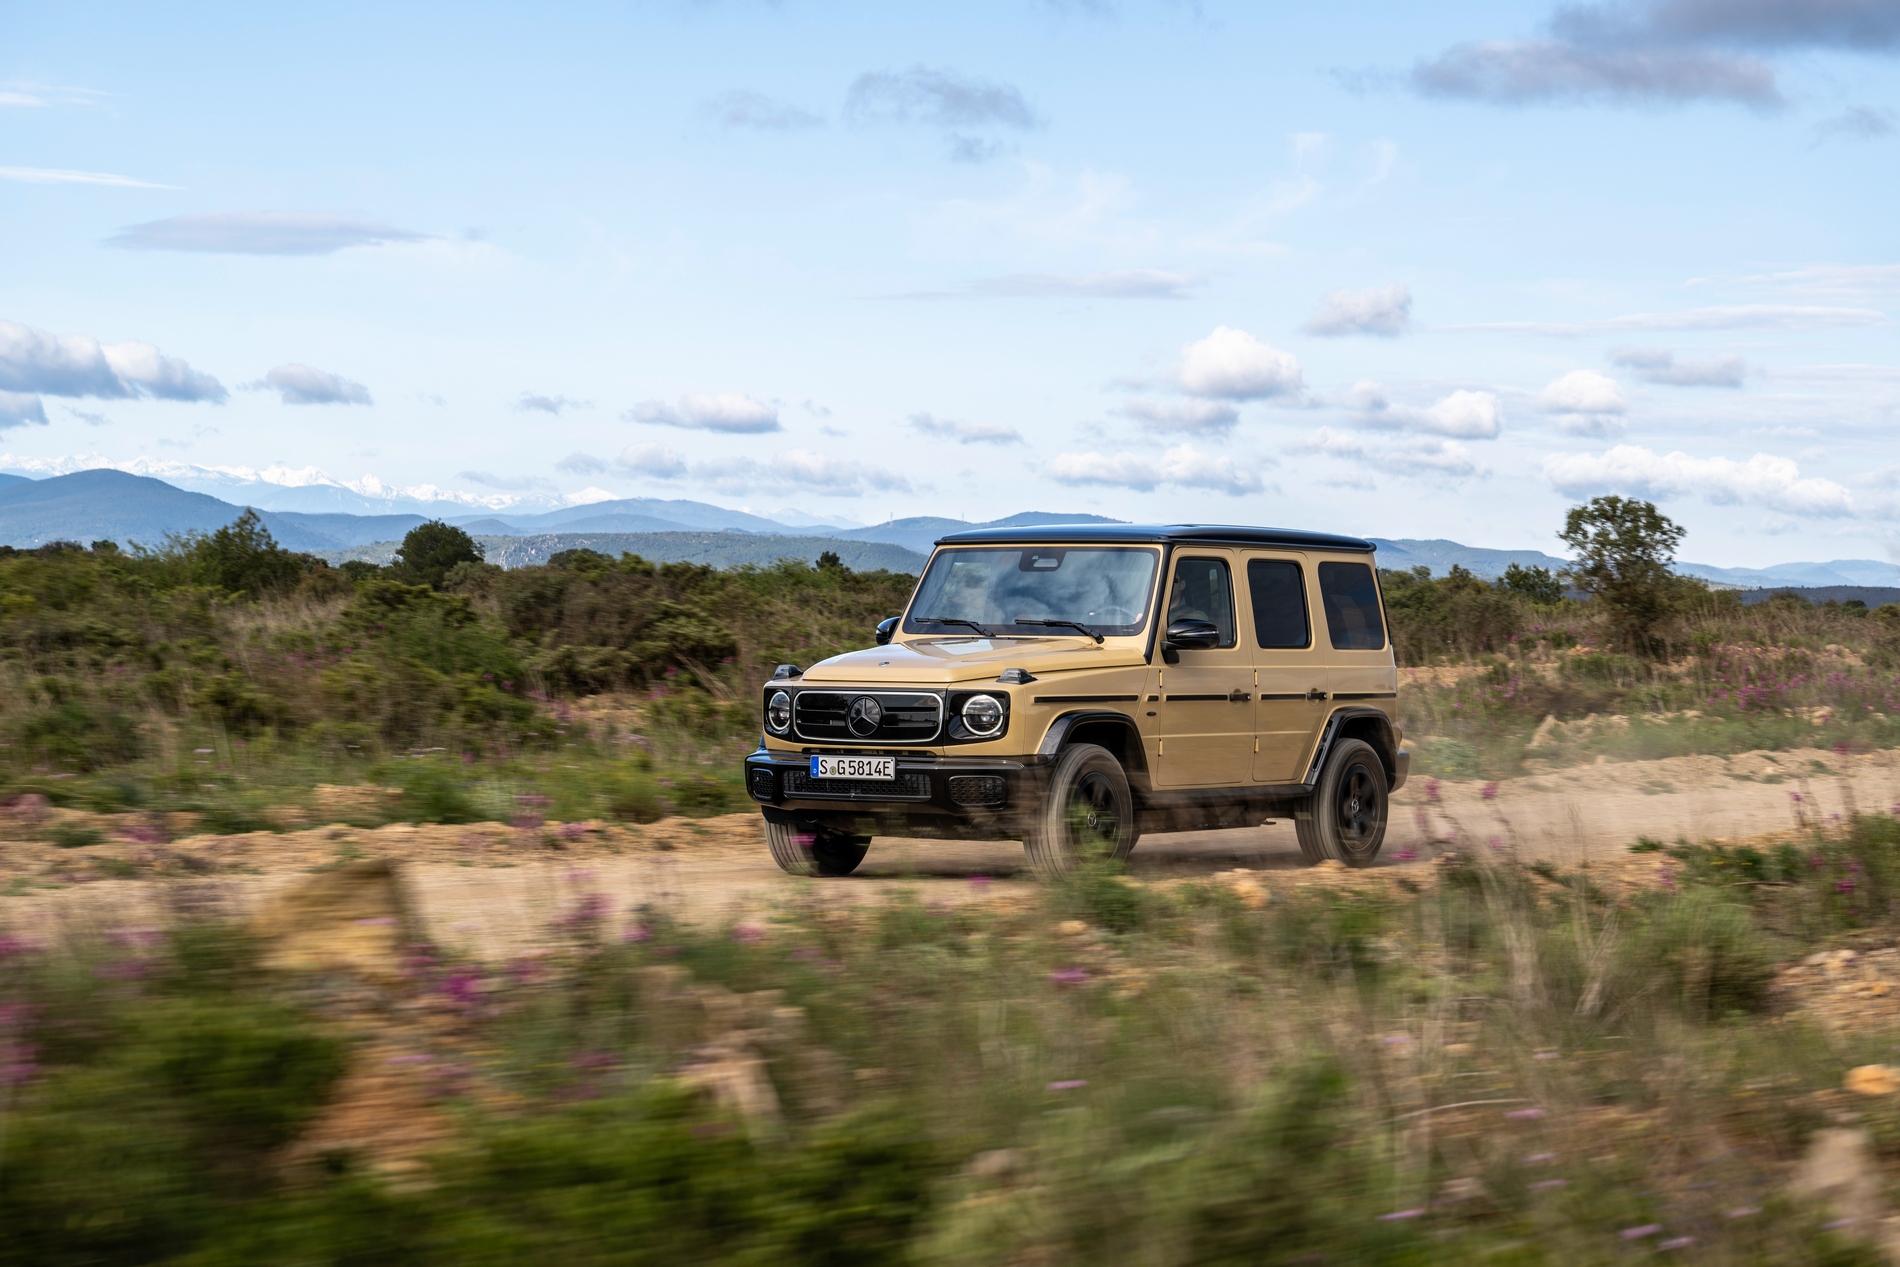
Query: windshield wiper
point(952, 620)
point(1059, 624)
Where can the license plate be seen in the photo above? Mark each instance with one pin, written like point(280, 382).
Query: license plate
point(854, 767)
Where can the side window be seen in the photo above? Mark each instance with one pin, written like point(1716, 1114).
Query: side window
point(1351, 596)
point(1278, 591)
point(1203, 590)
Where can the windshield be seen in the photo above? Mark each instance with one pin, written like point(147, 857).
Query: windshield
point(1106, 590)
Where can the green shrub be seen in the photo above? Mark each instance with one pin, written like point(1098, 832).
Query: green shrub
point(432, 792)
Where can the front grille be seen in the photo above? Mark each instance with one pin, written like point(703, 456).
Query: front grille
point(909, 785)
point(977, 789)
point(908, 717)
point(763, 785)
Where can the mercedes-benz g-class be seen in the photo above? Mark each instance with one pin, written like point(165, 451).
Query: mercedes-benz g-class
point(1073, 687)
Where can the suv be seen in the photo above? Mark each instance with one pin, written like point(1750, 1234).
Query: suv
point(1034, 691)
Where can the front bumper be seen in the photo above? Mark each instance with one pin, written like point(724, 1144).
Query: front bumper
point(926, 784)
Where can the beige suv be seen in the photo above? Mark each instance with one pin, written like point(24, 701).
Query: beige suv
point(1074, 686)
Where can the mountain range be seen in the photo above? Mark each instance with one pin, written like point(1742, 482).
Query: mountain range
point(107, 504)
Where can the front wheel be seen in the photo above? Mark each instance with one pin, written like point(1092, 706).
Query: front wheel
point(808, 850)
point(1087, 813)
point(1345, 817)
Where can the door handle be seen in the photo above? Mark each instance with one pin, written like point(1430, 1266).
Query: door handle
point(1238, 697)
point(1315, 693)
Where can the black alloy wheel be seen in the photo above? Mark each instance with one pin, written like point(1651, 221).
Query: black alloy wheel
point(1345, 818)
point(1087, 813)
point(811, 849)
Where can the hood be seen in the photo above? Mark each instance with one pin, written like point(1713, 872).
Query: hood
point(939, 661)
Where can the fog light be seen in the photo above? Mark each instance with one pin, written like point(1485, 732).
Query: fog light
point(762, 782)
point(977, 789)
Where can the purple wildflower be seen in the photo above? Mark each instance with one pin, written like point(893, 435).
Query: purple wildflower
point(1397, 1215)
point(1796, 797)
point(1549, 1185)
point(1534, 1158)
point(982, 882)
point(1431, 790)
point(1843, 886)
point(1406, 854)
point(1069, 976)
point(636, 933)
point(1742, 1212)
point(1069, 1084)
point(1836, 1225)
point(1676, 1242)
point(1525, 1115)
point(461, 986)
point(1638, 1233)
point(1489, 792)
point(748, 934)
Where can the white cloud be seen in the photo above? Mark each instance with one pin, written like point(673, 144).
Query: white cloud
point(1465, 414)
point(1382, 310)
point(1583, 392)
point(260, 233)
point(1727, 317)
point(1420, 457)
point(789, 470)
point(531, 401)
point(742, 109)
point(966, 432)
point(1231, 364)
point(19, 408)
point(60, 176)
point(941, 97)
point(1183, 466)
point(581, 464)
point(653, 460)
point(1659, 365)
point(1185, 417)
point(729, 412)
point(1518, 72)
point(1773, 483)
point(1121, 283)
point(36, 361)
point(306, 385)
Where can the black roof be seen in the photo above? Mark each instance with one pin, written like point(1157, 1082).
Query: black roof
point(1149, 534)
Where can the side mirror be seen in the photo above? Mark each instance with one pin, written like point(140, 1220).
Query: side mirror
point(885, 628)
point(1192, 635)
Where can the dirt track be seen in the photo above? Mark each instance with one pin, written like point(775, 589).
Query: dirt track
point(495, 891)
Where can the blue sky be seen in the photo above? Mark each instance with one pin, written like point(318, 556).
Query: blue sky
point(1402, 270)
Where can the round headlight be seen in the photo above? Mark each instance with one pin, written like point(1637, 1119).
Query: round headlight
point(778, 713)
point(983, 714)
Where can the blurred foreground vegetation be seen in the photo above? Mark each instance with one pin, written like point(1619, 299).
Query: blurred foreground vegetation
point(1484, 1062)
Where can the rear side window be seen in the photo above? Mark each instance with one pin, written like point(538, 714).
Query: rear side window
point(1351, 597)
point(1278, 591)
point(1203, 590)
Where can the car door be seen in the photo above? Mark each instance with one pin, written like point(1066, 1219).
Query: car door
point(1288, 665)
point(1204, 717)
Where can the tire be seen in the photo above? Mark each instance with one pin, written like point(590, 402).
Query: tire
point(1345, 817)
point(815, 851)
point(1087, 813)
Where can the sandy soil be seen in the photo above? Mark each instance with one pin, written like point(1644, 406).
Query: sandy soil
point(494, 890)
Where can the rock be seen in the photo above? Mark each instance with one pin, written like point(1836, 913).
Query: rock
point(1541, 735)
point(356, 919)
point(1873, 1080)
point(998, 1164)
point(26, 812)
point(1839, 1173)
point(1072, 928)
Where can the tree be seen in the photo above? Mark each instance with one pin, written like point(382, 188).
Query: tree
point(1624, 548)
point(1539, 585)
point(244, 558)
point(430, 550)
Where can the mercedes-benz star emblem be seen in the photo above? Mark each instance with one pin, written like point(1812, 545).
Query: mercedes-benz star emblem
point(864, 716)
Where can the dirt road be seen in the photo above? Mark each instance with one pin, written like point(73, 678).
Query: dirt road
point(496, 891)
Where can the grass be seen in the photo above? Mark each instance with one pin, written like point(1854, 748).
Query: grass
point(1503, 1063)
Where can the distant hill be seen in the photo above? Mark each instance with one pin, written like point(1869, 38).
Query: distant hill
point(1405, 553)
point(921, 533)
point(1872, 595)
point(720, 549)
point(644, 514)
point(6, 479)
point(107, 505)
